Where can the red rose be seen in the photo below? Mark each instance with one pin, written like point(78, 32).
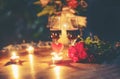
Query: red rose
point(75, 59)
point(83, 55)
point(79, 46)
point(77, 52)
point(81, 50)
point(72, 51)
point(72, 3)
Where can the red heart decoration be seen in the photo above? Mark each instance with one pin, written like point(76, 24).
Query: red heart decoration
point(57, 47)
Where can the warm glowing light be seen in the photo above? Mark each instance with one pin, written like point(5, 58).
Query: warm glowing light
point(65, 26)
point(14, 57)
point(15, 71)
point(30, 49)
point(57, 72)
point(56, 57)
point(31, 60)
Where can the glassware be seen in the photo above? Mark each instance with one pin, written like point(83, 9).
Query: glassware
point(55, 34)
point(72, 34)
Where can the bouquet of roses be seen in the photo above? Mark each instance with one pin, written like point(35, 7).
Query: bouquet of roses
point(78, 52)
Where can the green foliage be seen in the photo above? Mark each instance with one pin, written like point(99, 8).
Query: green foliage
point(48, 10)
point(97, 47)
point(55, 6)
point(102, 51)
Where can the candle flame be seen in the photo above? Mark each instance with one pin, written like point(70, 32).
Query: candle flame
point(56, 57)
point(14, 57)
point(30, 49)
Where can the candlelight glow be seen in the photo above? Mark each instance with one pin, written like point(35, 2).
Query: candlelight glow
point(15, 71)
point(56, 57)
point(57, 72)
point(30, 49)
point(31, 60)
point(65, 25)
point(14, 57)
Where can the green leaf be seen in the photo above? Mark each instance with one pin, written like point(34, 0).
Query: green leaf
point(47, 10)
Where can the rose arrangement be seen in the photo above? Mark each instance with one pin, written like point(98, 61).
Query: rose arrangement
point(78, 52)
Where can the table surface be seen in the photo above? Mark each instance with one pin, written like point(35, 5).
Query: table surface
point(40, 66)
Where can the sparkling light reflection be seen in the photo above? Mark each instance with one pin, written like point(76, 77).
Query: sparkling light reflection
point(15, 71)
point(31, 60)
point(56, 57)
point(57, 72)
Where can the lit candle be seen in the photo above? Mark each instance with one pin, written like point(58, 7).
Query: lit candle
point(30, 49)
point(14, 57)
point(56, 57)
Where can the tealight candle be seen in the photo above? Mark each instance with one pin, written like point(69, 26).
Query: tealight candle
point(14, 57)
point(30, 49)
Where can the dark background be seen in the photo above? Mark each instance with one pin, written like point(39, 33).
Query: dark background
point(104, 18)
point(18, 21)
